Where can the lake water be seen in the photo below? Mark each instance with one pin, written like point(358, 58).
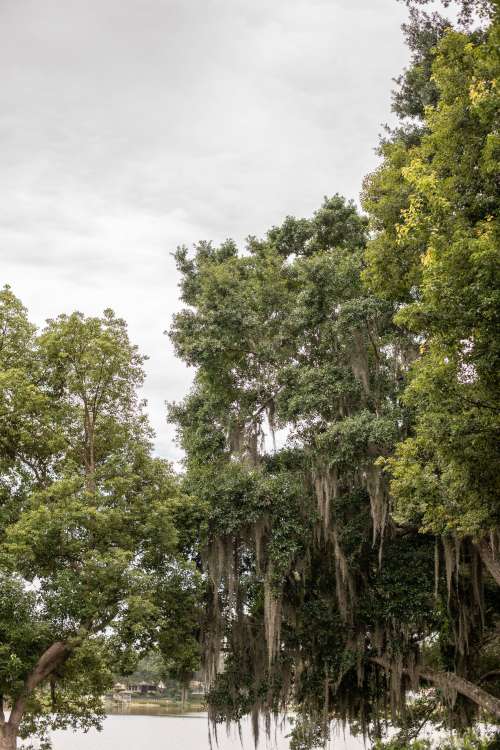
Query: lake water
point(183, 732)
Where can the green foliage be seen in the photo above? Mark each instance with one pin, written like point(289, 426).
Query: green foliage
point(433, 205)
point(372, 352)
point(446, 474)
point(416, 89)
point(470, 740)
point(307, 735)
point(396, 745)
point(285, 338)
point(91, 560)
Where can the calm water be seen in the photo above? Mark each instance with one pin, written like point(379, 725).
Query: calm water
point(186, 732)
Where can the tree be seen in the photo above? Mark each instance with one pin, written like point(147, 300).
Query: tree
point(445, 475)
point(88, 543)
point(318, 595)
point(433, 204)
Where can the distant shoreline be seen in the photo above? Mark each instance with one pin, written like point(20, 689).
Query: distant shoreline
point(150, 707)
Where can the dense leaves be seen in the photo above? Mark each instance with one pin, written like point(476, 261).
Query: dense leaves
point(297, 396)
point(342, 426)
point(92, 523)
point(446, 234)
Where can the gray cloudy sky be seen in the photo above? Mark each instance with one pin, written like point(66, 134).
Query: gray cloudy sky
point(128, 127)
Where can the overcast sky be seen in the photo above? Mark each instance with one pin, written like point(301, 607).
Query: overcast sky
point(128, 127)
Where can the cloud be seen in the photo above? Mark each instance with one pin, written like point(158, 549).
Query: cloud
point(127, 128)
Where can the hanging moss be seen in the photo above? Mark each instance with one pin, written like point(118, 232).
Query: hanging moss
point(272, 616)
point(360, 362)
point(311, 578)
point(379, 501)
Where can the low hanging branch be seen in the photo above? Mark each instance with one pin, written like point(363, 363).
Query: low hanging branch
point(53, 657)
point(451, 681)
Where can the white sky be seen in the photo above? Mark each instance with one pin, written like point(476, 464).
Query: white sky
point(128, 127)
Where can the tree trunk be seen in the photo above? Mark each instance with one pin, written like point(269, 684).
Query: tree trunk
point(8, 737)
point(452, 681)
point(49, 660)
point(52, 657)
point(490, 561)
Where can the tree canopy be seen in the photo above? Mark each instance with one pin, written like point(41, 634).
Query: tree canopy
point(343, 426)
point(306, 561)
point(441, 222)
point(89, 544)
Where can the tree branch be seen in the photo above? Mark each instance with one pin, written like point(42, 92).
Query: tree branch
point(451, 681)
point(53, 657)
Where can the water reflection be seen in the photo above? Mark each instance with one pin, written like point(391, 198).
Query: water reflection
point(152, 709)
